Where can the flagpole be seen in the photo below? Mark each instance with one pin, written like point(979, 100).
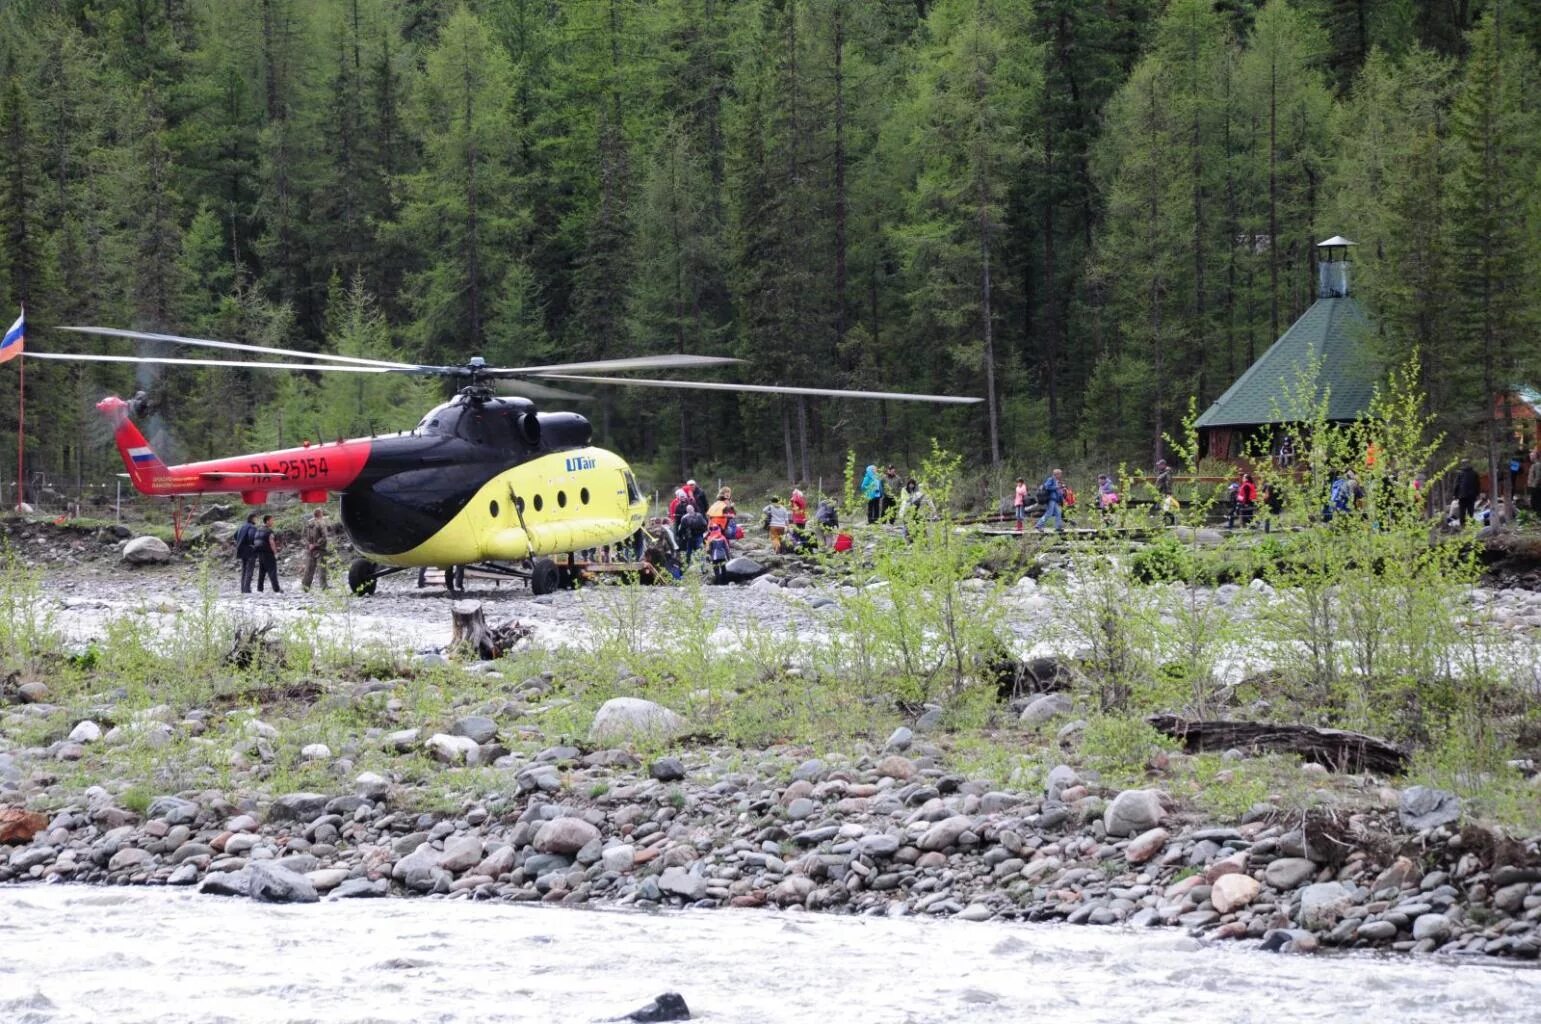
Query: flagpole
point(21, 419)
point(21, 428)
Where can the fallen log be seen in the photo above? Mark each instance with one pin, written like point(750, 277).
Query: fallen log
point(471, 636)
point(1335, 749)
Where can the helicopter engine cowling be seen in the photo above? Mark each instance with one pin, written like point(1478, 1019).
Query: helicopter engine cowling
point(559, 430)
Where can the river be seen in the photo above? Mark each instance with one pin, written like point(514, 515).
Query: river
point(71, 953)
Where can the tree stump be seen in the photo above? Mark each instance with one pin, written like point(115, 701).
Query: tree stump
point(470, 631)
point(253, 647)
point(472, 637)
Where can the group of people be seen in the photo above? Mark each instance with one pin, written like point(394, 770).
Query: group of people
point(701, 527)
point(256, 548)
point(889, 500)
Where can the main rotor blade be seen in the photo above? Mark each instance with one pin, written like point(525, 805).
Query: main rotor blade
point(177, 339)
point(672, 361)
point(768, 389)
point(81, 357)
point(530, 389)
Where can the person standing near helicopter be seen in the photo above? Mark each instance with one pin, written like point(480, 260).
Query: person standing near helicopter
point(315, 551)
point(246, 550)
point(266, 545)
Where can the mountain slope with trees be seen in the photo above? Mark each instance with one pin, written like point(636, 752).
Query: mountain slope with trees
point(1082, 212)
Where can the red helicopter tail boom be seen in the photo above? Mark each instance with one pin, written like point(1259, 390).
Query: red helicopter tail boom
point(311, 471)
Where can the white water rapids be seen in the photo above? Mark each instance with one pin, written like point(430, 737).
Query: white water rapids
point(76, 954)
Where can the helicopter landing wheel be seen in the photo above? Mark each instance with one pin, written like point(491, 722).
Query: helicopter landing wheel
point(545, 577)
point(362, 576)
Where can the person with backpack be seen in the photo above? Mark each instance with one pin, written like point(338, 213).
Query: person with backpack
point(1052, 496)
point(1019, 503)
point(677, 506)
point(717, 552)
point(691, 532)
point(1340, 495)
point(246, 550)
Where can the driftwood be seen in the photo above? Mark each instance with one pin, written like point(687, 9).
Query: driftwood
point(253, 646)
point(472, 636)
point(1334, 749)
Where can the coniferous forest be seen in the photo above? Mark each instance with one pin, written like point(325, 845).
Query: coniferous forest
point(1085, 211)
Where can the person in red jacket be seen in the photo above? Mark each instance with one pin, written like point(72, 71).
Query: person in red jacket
point(1245, 503)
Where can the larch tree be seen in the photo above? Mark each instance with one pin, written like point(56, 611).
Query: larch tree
point(969, 146)
point(462, 209)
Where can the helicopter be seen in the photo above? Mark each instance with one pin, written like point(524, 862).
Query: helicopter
point(484, 480)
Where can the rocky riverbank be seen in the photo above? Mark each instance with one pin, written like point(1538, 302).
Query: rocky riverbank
point(890, 831)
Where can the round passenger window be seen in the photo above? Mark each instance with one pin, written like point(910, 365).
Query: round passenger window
point(561, 499)
point(583, 495)
point(493, 509)
point(519, 505)
point(538, 503)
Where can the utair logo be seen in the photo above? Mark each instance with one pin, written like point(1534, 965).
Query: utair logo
point(579, 462)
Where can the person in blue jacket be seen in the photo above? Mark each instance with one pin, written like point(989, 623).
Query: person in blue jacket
point(872, 490)
point(1052, 494)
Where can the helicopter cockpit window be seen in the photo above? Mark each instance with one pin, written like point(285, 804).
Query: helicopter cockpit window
point(633, 492)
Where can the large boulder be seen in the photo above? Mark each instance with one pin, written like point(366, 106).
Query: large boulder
point(1322, 904)
point(146, 551)
point(452, 749)
point(1232, 892)
point(631, 718)
point(680, 882)
point(565, 835)
point(945, 833)
point(173, 810)
point(1132, 812)
point(477, 728)
point(300, 807)
point(1042, 709)
point(1423, 808)
point(1288, 873)
point(742, 570)
point(268, 882)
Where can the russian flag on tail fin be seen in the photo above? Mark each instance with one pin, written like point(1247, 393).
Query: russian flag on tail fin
point(145, 468)
point(15, 339)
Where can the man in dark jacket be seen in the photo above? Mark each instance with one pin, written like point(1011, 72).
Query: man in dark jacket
point(266, 547)
point(246, 550)
point(696, 496)
point(1467, 489)
point(692, 530)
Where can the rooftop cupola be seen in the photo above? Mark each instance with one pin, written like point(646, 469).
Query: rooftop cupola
point(1332, 267)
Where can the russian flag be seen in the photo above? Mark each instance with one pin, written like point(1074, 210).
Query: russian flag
point(15, 339)
point(141, 455)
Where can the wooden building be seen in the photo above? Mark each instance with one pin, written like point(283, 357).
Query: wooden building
point(1330, 336)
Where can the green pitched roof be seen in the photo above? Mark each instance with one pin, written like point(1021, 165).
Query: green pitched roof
point(1330, 333)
